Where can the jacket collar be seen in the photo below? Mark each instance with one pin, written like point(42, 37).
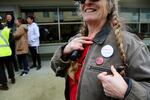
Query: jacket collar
point(102, 35)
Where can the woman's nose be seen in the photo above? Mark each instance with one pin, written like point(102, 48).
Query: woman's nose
point(87, 1)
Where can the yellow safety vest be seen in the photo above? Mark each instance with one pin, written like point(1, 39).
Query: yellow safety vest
point(4, 42)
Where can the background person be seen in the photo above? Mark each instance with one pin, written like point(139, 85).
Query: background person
point(5, 59)
point(10, 24)
point(103, 43)
point(21, 41)
point(34, 42)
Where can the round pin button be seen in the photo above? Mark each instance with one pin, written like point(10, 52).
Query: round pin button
point(107, 51)
point(99, 60)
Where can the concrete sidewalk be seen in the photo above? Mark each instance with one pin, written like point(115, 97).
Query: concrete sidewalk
point(37, 85)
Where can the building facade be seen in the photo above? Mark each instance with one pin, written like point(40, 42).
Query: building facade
point(59, 20)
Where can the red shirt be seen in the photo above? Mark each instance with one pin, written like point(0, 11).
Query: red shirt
point(74, 85)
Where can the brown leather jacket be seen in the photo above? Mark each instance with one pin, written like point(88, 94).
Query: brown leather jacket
point(21, 40)
point(138, 70)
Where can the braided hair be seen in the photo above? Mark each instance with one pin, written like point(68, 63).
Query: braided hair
point(117, 27)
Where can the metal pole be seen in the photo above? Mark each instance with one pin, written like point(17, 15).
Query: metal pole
point(58, 18)
point(139, 21)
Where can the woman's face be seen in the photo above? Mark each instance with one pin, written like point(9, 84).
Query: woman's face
point(94, 11)
point(17, 23)
point(29, 20)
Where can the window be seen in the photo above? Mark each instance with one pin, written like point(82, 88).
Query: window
point(129, 14)
point(68, 30)
point(69, 23)
point(74, 13)
point(52, 29)
point(55, 16)
point(47, 21)
point(48, 33)
point(46, 14)
point(133, 27)
point(42, 15)
point(61, 16)
point(69, 15)
point(145, 28)
point(145, 15)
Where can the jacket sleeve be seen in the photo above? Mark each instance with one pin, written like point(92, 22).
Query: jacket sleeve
point(138, 71)
point(19, 32)
point(58, 65)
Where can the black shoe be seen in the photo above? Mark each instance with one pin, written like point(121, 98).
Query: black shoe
point(4, 87)
point(13, 80)
point(33, 66)
point(39, 67)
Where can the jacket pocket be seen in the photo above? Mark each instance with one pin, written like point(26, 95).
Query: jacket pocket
point(100, 69)
point(105, 69)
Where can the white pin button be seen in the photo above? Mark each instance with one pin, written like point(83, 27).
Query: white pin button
point(107, 51)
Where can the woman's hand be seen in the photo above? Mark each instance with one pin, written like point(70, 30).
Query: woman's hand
point(77, 44)
point(113, 85)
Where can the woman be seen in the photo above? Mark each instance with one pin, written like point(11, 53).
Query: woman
point(34, 42)
point(21, 41)
point(112, 63)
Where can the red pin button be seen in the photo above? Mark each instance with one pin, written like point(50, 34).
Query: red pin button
point(99, 60)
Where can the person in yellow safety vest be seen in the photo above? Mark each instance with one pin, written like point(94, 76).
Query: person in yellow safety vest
point(5, 59)
point(4, 43)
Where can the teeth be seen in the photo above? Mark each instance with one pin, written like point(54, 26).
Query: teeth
point(90, 10)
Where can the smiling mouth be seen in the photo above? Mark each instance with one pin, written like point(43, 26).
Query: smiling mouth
point(89, 10)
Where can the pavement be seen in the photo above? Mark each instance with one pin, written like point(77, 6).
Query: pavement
point(37, 85)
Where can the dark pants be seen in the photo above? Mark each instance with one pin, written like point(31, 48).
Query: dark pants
point(13, 56)
point(35, 55)
point(6, 61)
point(22, 60)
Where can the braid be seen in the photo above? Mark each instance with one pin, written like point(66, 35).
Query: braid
point(83, 30)
point(74, 64)
point(119, 39)
point(118, 35)
point(72, 69)
point(117, 27)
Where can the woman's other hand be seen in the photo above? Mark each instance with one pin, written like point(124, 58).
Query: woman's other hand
point(77, 44)
point(114, 85)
